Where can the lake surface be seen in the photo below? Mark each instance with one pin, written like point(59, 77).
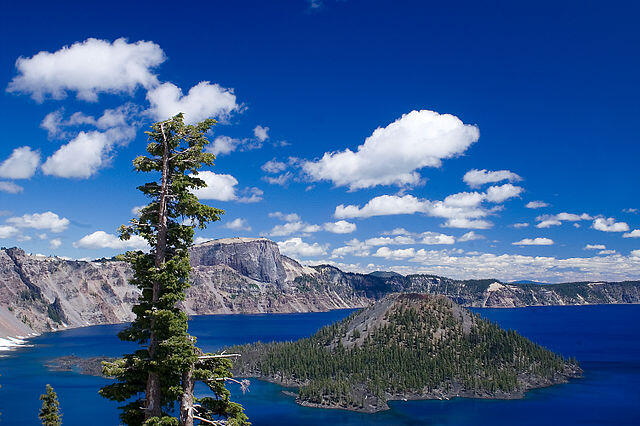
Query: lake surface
point(604, 339)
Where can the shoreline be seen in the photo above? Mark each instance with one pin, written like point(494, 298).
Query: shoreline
point(7, 342)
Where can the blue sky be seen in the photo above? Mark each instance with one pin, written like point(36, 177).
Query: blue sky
point(529, 102)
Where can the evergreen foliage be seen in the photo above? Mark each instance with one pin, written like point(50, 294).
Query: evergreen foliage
point(50, 411)
point(154, 378)
point(424, 345)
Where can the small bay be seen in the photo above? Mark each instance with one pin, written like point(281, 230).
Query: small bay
point(605, 339)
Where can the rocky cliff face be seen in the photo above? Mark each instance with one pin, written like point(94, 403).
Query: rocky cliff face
point(244, 275)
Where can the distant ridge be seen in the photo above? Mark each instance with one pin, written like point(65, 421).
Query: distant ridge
point(246, 275)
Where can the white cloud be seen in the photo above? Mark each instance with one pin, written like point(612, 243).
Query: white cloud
point(595, 247)
point(630, 210)
point(633, 234)
point(219, 187)
point(238, 224)
point(431, 238)
point(292, 228)
point(470, 236)
point(384, 241)
point(204, 100)
point(393, 154)
point(55, 243)
point(296, 248)
point(136, 210)
point(498, 194)
point(7, 231)
point(464, 199)
point(261, 133)
point(287, 217)
point(353, 247)
point(536, 204)
point(606, 252)
point(121, 117)
point(88, 68)
point(102, 240)
point(460, 209)
point(520, 225)
point(476, 178)
point(21, 164)
point(609, 225)
point(250, 195)
point(281, 180)
point(635, 253)
point(223, 145)
point(87, 153)
point(46, 220)
point(547, 221)
point(10, 188)
point(274, 166)
point(397, 254)
point(534, 242)
point(383, 205)
point(340, 227)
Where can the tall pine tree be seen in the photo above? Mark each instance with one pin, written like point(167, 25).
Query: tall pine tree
point(50, 411)
point(162, 374)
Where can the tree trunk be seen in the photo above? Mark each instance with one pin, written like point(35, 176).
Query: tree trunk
point(153, 391)
point(186, 404)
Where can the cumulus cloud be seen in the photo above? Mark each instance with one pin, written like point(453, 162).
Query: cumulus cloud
point(21, 164)
point(536, 204)
point(204, 100)
point(292, 228)
point(46, 220)
point(633, 234)
point(57, 125)
point(393, 154)
point(397, 254)
point(281, 180)
point(296, 248)
point(383, 205)
point(238, 224)
point(498, 194)
point(250, 195)
point(103, 240)
point(287, 217)
point(460, 210)
point(520, 225)
point(534, 242)
point(595, 247)
point(609, 225)
point(7, 231)
point(274, 166)
point(261, 133)
point(87, 153)
point(470, 236)
point(340, 227)
point(606, 252)
point(223, 145)
point(88, 68)
point(219, 187)
point(547, 221)
point(476, 178)
point(10, 188)
point(55, 243)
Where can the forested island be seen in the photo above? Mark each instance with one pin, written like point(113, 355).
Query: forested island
point(406, 346)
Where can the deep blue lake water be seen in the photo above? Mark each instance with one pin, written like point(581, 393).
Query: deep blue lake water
point(605, 339)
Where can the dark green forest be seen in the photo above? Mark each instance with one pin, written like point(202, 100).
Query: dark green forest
point(420, 346)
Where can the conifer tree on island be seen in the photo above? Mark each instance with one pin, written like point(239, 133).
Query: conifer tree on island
point(162, 374)
point(50, 411)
